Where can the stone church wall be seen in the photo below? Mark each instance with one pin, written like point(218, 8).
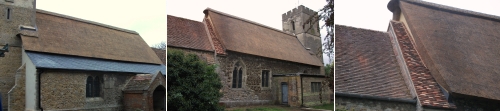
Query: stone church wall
point(12, 60)
point(66, 90)
point(316, 98)
point(294, 93)
point(8, 65)
point(17, 95)
point(251, 92)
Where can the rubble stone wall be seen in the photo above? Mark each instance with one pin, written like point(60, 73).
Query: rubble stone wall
point(251, 92)
point(66, 90)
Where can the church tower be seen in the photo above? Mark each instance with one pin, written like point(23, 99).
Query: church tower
point(304, 24)
point(14, 16)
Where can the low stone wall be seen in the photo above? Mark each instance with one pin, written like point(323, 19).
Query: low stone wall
point(357, 104)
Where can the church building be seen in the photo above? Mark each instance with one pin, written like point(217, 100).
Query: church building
point(257, 64)
point(51, 61)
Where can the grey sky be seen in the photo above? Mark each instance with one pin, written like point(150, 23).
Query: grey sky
point(148, 18)
point(373, 14)
point(267, 12)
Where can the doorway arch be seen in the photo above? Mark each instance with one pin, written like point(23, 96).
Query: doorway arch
point(159, 99)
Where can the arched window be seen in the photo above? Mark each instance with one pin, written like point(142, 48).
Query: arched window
point(93, 86)
point(89, 86)
point(237, 75)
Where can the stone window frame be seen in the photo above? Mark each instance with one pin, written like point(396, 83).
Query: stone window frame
point(316, 87)
point(243, 75)
point(269, 79)
point(99, 81)
point(8, 14)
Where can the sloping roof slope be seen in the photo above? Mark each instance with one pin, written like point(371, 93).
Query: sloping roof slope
point(72, 36)
point(248, 37)
point(55, 61)
point(187, 34)
point(459, 47)
point(366, 64)
point(427, 89)
point(162, 54)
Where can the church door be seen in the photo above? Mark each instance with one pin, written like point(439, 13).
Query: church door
point(284, 92)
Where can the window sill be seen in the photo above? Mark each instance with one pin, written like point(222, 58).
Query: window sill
point(93, 99)
point(237, 89)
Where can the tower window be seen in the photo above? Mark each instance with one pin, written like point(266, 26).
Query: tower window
point(8, 13)
point(293, 25)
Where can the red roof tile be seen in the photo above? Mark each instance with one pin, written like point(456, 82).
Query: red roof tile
point(186, 33)
point(428, 91)
point(366, 64)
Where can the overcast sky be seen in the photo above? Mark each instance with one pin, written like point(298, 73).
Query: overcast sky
point(267, 12)
point(148, 17)
point(373, 14)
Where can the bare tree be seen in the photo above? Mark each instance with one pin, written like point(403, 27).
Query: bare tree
point(162, 45)
point(327, 16)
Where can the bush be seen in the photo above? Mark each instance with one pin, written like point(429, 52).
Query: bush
point(192, 84)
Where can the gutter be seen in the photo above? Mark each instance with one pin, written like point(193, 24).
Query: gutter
point(390, 99)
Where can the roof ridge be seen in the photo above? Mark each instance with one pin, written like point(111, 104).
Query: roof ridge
point(85, 21)
point(183, 18)
point(454, 9)
point(360, 28)
point(245, 20)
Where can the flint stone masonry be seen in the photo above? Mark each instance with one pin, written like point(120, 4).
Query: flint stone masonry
point(17, 100)
point(8, 30)
point(251, 92)
point(297, 22)
point(293, 83)
point(9, 65)
point(10, 27)
point(57, 86)
point(316, 98)
point(299, 91)
point(300, 16)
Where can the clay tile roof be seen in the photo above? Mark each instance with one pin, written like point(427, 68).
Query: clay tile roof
point(61, 34)
point(186, 33)
point(161, 54)
point(244, 36)
point(459, 47)
point(428, 90)
point(366, 64)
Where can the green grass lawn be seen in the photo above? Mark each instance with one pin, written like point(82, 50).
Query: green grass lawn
point(263, 108)
point(325, 106)
point(260, 109)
